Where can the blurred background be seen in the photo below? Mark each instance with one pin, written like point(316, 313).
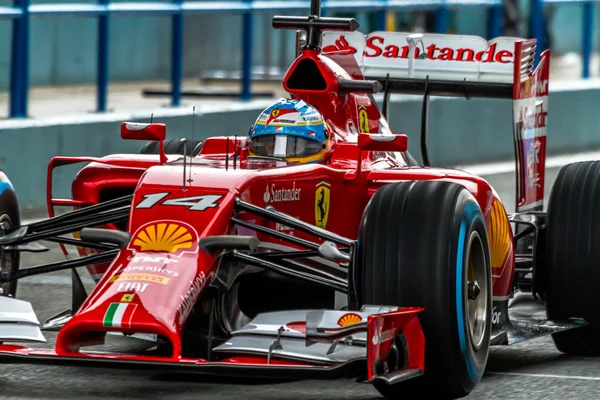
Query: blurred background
point(65, 45)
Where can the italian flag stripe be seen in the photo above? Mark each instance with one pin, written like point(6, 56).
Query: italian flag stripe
point(119, 315)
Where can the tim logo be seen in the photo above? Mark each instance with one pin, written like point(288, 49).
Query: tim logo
point(341, 44)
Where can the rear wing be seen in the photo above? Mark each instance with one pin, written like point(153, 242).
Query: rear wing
point(462, 66)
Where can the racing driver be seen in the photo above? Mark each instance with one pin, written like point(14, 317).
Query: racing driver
point(290, 129)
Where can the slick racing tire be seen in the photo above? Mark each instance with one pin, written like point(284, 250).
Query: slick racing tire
point(9, 218)
point(573, 256)
point(425, 244)
point(173, 147)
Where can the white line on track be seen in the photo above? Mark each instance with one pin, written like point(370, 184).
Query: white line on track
point(504, 167)
point(548, 376)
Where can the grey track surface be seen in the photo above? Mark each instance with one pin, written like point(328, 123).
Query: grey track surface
point(530, 370)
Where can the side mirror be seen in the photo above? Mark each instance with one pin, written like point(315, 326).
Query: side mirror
point(144, 131)
point(378, 142)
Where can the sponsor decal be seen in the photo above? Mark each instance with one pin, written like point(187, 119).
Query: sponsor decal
point(351, 127)
point(118, 315)
point(127, 298)
point(282, 228)
point(349, 319)
point(311, 119)
point(283, 121)
point(322, 200)
point(539, 88)
point(132, 287)
point(150, 259)
point(274, 194)
point(171, 236)
point(499, 234)
point(278, 113)
point(395, 47)
point(382, 337)
point(141, 277)
point(191, 296)
point(496, 315)
point(533, 159)
point(149, 268)
point(530, 118)
point(340, 44)
point(363, 121)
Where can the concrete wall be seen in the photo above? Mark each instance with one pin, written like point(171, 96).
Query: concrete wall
point(460, 133)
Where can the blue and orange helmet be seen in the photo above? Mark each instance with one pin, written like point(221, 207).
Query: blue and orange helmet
point(290, 129)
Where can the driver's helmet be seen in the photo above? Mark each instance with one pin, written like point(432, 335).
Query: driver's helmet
point(290, 129)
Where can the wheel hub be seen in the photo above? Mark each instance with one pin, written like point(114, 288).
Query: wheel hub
point(477, 290)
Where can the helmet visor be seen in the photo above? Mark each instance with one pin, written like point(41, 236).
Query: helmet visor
point(284, 146)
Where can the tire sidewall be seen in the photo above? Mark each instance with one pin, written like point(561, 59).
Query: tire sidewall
point(9, 206)
point(468, 220)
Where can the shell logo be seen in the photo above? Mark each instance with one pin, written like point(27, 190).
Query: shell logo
point(167, 236)
point(349, 319)
point(499, 235)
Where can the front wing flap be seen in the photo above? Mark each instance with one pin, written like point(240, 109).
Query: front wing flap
point(374, 343)
point(18, 322)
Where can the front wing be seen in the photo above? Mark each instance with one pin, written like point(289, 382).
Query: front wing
point(375, 343)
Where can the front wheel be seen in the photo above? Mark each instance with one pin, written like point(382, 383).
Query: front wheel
point(425, 244)
point(9, 219)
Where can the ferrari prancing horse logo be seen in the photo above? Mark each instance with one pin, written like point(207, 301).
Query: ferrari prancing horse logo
point(322, 197)
point(363, 121)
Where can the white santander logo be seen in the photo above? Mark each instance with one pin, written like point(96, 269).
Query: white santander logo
point(276, 195)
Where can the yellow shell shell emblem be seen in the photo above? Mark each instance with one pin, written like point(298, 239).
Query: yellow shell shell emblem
point(498, 234)
point(169, 237)
point(349, 319)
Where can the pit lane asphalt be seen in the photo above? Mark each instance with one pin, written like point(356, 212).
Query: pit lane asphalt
point(529, 370)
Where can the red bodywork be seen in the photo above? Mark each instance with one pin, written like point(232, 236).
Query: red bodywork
point(159, 276)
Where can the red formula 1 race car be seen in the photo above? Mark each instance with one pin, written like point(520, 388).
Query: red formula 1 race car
point(364, 265)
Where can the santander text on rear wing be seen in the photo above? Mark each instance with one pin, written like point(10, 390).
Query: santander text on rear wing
point(463, 66)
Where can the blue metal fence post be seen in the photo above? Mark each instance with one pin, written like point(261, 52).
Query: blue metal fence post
point(536, 26)
point(381, 20)
point(495, 27)
point(587, 38)
point(102, 66)
point(19, 68)
point(176, 55)
point(441, 19)
point(247, 53)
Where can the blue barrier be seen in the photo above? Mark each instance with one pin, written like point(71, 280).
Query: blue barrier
point(537, 21)
point(22, 11)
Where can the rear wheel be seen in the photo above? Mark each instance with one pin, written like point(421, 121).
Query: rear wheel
point(9, 219)
point(425, 244)
point(573, 234)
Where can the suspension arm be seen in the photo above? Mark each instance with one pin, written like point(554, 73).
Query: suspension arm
point(292, 222)
point(252, 260)
point(59, 265)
